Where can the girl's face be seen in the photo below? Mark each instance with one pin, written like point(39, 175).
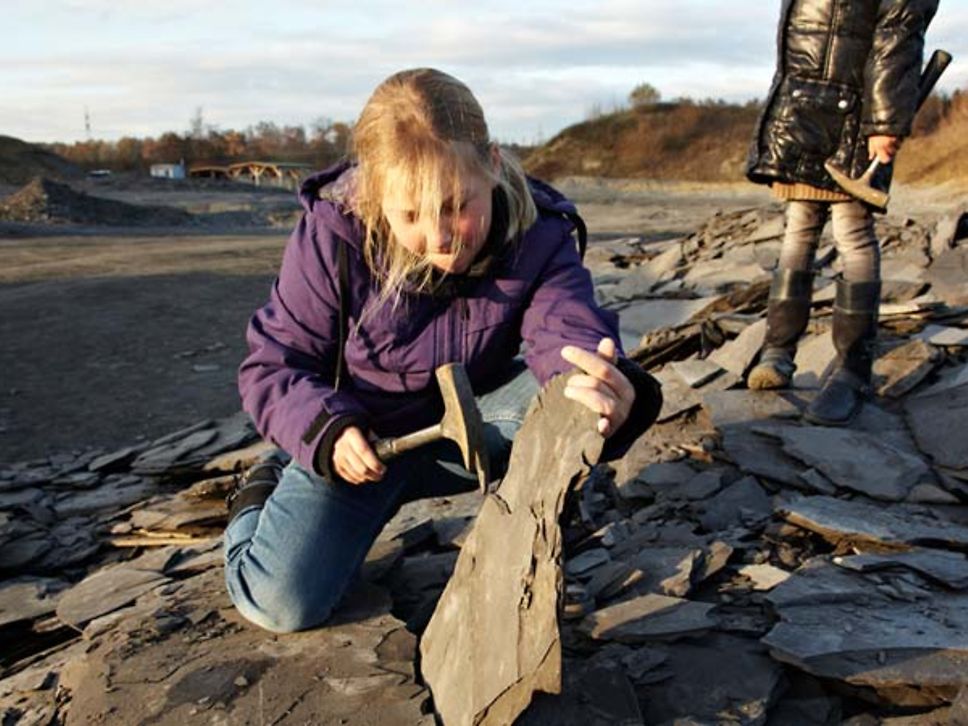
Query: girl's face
point(469, 217)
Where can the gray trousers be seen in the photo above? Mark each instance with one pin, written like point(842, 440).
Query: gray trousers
point(853, 231)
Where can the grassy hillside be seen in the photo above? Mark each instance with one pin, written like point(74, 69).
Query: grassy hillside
point(939, 153)
point(708, 143)
point(685, 141)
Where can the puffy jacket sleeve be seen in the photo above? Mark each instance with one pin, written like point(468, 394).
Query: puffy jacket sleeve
point(286, 382)
point(894, 66)
point(563, 312)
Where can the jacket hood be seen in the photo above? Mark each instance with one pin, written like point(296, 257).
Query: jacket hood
point(325, 195)
point(549, 199)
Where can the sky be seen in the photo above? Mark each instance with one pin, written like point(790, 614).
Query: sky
point(143, 67)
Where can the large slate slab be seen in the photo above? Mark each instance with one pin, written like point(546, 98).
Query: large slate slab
point(28, 597)
point(897, 524)
point(866, 637)
point(761, 455)
point(185, 656)
point(105, 591)
point(644, 317)
point(720, 679)
point(493, 639)
point(938, 424)
point(729, 408)
point(948, 568)
point(853, 460)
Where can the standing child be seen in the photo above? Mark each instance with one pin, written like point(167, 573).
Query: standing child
point(845, 89)
point(431, 247)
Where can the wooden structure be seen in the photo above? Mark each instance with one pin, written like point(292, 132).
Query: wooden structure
point(275, 173)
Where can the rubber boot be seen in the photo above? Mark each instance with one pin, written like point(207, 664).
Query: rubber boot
point(855, 337)
point(787, 314)
point(257, 484)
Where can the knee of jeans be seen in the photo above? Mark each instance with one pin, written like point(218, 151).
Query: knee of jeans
point(280, 607)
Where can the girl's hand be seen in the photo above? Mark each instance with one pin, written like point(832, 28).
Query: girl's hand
point(883, 148)
point(354, 459)
point(604, 388)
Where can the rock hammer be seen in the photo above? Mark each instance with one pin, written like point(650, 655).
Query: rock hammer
point(461, 423)
point(872, 185)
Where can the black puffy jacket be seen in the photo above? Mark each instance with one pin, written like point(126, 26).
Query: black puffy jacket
point(846, 70)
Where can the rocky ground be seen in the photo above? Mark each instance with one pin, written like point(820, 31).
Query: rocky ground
point(736, 566)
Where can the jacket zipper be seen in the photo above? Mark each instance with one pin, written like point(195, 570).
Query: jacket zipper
point(462, 332)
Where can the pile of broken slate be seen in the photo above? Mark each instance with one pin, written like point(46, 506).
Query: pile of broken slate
point(737, 566)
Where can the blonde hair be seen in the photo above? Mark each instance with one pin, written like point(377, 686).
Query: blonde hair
point(423, 129)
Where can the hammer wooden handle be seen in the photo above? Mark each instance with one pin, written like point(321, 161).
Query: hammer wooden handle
point(387, 449)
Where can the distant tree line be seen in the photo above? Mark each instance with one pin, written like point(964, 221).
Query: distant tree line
point(322, 143)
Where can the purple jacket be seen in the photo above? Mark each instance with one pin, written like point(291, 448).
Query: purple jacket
point(537, 291)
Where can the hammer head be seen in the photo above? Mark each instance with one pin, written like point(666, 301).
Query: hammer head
point(462, 420)
point(865, 188)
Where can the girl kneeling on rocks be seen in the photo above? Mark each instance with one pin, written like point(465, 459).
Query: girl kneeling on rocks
point(431, 246)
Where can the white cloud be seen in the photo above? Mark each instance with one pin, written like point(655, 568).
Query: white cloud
point(143, 66)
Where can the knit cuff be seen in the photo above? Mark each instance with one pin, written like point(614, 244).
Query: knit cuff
point(323, 459)
point(645, 409)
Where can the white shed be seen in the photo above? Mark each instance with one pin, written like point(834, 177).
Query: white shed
point(168, 171)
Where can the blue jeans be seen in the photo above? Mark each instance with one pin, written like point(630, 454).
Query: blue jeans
point(288, 563)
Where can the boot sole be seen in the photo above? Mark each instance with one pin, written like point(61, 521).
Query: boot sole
point(764, 378)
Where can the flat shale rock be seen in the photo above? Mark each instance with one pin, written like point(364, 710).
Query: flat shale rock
point(717, 680)
point(761, 455)
point(947, 275)
point(696, 373)
point(188, 658)
point(493, 639)
point(857, 520)
point(853, 460)
point(730, 408)
point(914, 650)
point(678, 396)
point(192, 448)
point(947, 568)
point(943, 335)
point(900, 370)
point(765, 576)
point(595, 694)
point(647, 618)
point(647, 316)
point(112, 495)
point(174, 513)
point(938, 424)
point(742, 503)
point(737, 355)
point(671, 571)
point(28, 598)
point(105, 591)
point(815, 355)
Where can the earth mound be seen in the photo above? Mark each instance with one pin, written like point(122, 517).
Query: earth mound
point(46, 201)
point(20, 162)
